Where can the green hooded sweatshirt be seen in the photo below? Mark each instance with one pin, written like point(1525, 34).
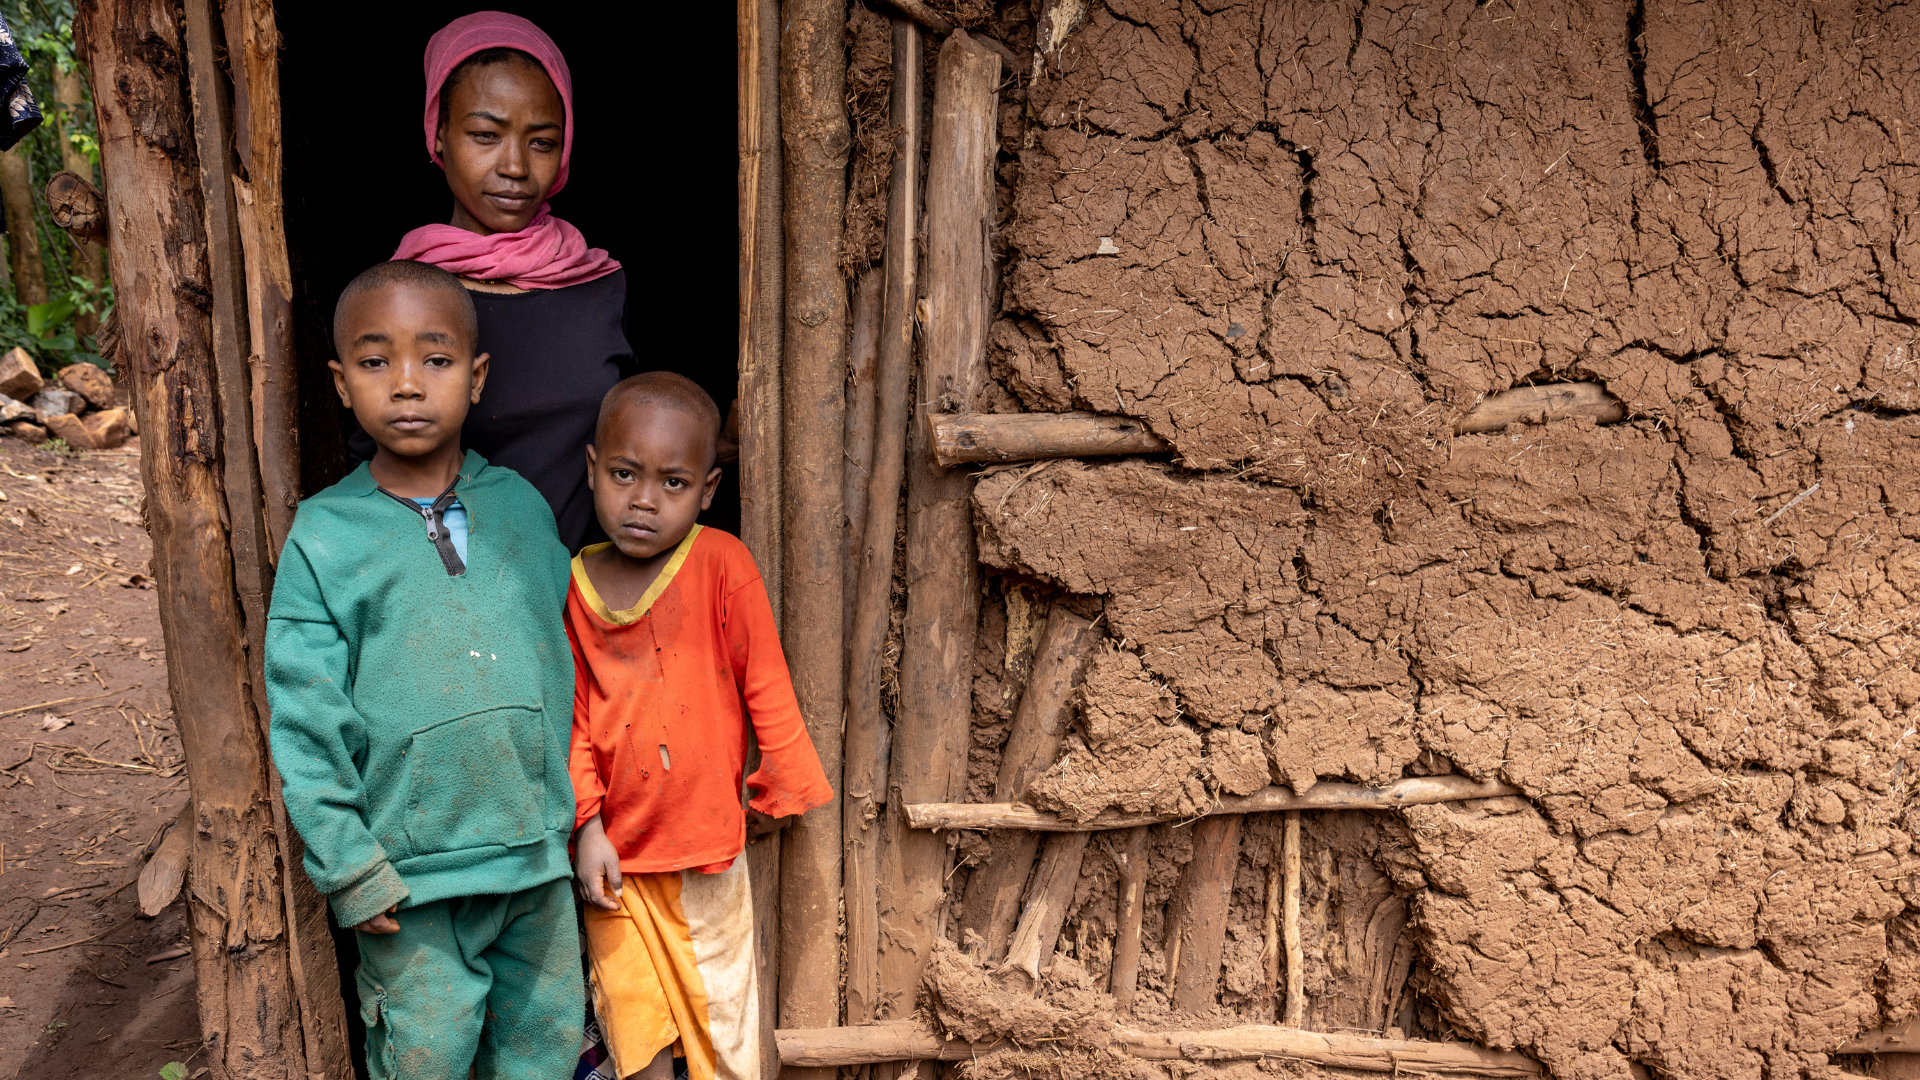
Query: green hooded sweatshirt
point(421, 718)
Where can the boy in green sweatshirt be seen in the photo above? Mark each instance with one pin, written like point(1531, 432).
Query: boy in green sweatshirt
point(422, 694)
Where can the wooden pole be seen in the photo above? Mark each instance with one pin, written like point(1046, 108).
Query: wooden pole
point(866, 754)
point(904, 1040)
point(863, 364)
point(762, 306)
point(252, 1014)
point(813, 124)
point(995, 437)
point(1039, 724)
point(1290, 919)
point(253, 48)
point(23, 236)
point(1133, 900)
point(1326, 795)
point(960, 437)
point(1552, 401)
point(919, 12)
point(1197, 918)
point(943, 592)
point(1031, 950)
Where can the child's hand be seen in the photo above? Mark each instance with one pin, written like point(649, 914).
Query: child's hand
point(596, 866)
point(759, 824)
point(383, 923)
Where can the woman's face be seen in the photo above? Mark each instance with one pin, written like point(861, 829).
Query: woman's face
point(501, 145)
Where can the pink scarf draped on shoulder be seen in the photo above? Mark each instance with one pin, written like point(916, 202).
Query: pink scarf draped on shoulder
point(548, 253)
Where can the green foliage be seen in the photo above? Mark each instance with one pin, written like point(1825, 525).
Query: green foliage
point(52, 332)
point(57, 446)
point(173, 1070)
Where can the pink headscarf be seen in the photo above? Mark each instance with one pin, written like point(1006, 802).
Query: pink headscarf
point(548, 253)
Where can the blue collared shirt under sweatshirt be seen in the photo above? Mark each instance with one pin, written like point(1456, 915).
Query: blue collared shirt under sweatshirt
point(420, 718)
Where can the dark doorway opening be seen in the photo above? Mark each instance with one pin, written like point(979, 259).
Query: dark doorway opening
point(653, 178)
point(652, 181)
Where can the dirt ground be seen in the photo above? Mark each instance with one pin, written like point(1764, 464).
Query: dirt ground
point(90, 770)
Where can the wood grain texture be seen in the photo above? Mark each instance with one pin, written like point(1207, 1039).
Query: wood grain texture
point(1040, 722)
point(253, 48)
point(865, 768)
point(962, 438)
point(943, 592)
point(1327, 795)
point(814, 131)
point(1296, 1001)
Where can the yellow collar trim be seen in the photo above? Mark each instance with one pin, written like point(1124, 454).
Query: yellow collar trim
point(638, 611)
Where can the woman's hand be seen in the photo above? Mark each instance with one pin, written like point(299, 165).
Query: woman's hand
point(383, 923)
point(596, 866)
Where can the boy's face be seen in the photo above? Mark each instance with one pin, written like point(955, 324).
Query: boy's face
point(652, 473)
point(406, 369)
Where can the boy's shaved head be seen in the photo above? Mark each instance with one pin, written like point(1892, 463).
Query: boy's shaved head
point(416, 275)
point(666, 390)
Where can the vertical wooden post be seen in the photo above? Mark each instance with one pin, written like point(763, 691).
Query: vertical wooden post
point(943, 590)
point(863, 369)
point(762, 301)
point(23, 237)
point(311, 962)
point(865, 768)
point(253, 51)
point(1290, 919)
point(1197, 921)
point(1031, 950)
point(813, 124)
point(1039, 724)
point(1133, 898)
point(253, 1016)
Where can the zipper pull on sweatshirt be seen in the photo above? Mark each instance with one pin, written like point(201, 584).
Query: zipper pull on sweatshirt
point(437, 532)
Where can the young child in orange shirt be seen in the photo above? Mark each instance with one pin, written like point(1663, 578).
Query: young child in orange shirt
point(674, 651)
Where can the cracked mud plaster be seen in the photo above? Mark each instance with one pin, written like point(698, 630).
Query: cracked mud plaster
point(1335, 226)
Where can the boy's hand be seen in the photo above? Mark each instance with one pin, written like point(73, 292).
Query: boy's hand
point(759, 824)
point(383, 923)
point(596, 866)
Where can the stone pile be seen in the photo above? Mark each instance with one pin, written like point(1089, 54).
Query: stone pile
point(76, 406)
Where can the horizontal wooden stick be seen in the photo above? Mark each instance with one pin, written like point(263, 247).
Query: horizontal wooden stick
point(904, 1040)
point(959, 438)
point(1553, 401)
point(919, 12)
point(1331, 795)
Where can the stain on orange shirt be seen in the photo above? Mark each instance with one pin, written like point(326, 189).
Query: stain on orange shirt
point(663, 693)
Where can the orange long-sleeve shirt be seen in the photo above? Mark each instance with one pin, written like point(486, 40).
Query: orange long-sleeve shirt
point(662, 695)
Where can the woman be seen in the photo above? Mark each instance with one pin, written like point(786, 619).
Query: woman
point(499, 122)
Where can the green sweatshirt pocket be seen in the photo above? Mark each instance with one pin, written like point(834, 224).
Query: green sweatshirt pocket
point(478, 780)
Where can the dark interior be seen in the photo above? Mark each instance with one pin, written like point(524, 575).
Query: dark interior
point(652, 180)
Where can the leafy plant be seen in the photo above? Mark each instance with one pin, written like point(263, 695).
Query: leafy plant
point(173, 1070)
point(57, 446)
point(62, 330)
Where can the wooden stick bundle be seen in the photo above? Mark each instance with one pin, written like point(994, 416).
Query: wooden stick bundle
point(822, 1047)
point(1327, 795)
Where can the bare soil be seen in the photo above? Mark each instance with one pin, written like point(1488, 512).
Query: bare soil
point(92, 771)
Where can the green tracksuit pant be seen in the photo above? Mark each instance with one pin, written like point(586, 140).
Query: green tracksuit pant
point(492, 981)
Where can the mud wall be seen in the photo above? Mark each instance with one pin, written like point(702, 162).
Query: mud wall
point(1300, 240)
